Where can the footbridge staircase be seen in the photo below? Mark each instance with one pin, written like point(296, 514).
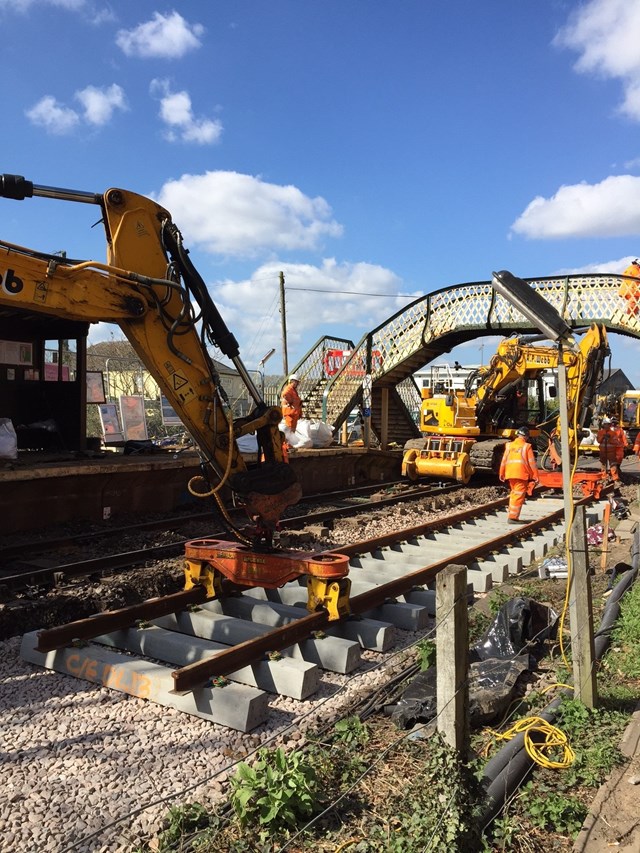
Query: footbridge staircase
point(377, 373)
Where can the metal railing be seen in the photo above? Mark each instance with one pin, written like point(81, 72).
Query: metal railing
point(475, 309)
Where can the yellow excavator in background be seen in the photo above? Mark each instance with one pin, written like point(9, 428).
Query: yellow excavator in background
point(465, 430)
point(151, 289)
point(625, 407)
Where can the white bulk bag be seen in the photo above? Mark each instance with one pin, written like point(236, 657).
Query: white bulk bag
point(321, 433)
point(8, 440)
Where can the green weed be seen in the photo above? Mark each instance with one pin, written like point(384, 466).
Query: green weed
point(276, 791)
point(351, 731)
point(553, 811)
point(426, 654)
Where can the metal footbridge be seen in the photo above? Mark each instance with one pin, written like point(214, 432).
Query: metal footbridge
point(380, 367)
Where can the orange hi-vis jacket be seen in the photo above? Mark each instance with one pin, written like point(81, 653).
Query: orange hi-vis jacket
point(630, 290)
point(611, 443)
point(518, 461)
point(290, 402)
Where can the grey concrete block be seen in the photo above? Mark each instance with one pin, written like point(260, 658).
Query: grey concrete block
point(236, 706)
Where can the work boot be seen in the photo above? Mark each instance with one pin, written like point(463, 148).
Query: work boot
point(517, 521)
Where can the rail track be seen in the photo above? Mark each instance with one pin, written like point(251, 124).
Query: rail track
point(181, 650)
point(47, 563)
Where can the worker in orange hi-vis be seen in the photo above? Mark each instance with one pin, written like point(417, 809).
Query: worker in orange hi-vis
point(612, 441)
point(630, 290)
point(291, 406)
point(291, 403)
point(519, 467)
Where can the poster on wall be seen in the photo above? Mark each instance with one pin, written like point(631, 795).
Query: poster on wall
point(169, 417)
point(133, 418)
point(16, 352)
point(54, 372)
point(111, 429)
point(95, 387)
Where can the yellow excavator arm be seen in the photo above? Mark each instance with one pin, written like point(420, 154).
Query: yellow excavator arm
point(150, 288)
point(465, 429)
point(518, 359)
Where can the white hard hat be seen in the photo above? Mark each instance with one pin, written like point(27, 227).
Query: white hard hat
point(606, 420)
point(294, 378)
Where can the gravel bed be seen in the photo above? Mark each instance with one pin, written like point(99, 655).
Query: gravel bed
point(90, 770)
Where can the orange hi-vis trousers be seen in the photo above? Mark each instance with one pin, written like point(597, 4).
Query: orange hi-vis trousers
point(517, 496)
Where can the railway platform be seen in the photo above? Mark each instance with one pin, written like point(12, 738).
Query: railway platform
point(41, 489)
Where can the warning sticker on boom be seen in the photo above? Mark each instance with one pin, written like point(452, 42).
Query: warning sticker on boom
point(180, 384)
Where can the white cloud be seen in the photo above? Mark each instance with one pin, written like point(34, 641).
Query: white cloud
point(606, 34)
point(615, 267)
point(99, 332)
point(25, 5)
point(234, 214)
point(99, 104)
point(607, 209)
point(55, 118)
point(164, 36)
point(320, 300)
point(327, 299)
point(177, 114)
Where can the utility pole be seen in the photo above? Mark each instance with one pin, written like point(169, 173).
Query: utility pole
point(283, 314)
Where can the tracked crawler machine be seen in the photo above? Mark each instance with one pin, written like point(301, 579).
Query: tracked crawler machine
point(151, 289)
point(465, 430)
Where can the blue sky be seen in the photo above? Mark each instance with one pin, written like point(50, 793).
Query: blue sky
point(388, 147)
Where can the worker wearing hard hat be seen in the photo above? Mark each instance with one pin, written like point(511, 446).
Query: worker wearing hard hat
point(630, 290)
point(612, 441)
point(519, 467)
point(290, 403)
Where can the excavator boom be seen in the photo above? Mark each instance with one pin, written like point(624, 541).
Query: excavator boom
point(466, 429)
point(150, 288)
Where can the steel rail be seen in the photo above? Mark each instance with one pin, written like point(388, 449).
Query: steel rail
point(114, 620)
point(126, 559)
point(193, 675)
point(13, 550)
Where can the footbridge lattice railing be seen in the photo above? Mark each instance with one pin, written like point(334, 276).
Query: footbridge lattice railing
point(433, 324)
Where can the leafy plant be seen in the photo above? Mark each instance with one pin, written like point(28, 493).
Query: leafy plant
point(351, 731)
point(274, 793)
point(553, 811)
point(591, 731)
point(434, 813)
point(496, 599)
point(182, 821)
point(505, 830)
point(426, 654)
point(625, 652)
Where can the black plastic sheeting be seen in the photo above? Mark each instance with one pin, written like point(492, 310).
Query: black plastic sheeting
point(508, 649)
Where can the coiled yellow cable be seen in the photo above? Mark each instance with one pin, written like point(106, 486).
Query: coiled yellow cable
point(539, 752)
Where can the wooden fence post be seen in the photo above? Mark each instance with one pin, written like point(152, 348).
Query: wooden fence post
point(581, 614)
point(452, 657)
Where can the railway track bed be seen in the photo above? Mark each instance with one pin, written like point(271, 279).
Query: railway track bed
point(251, 647)
point(91, 769)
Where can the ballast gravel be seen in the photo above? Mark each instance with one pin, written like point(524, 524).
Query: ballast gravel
point(90, 770)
